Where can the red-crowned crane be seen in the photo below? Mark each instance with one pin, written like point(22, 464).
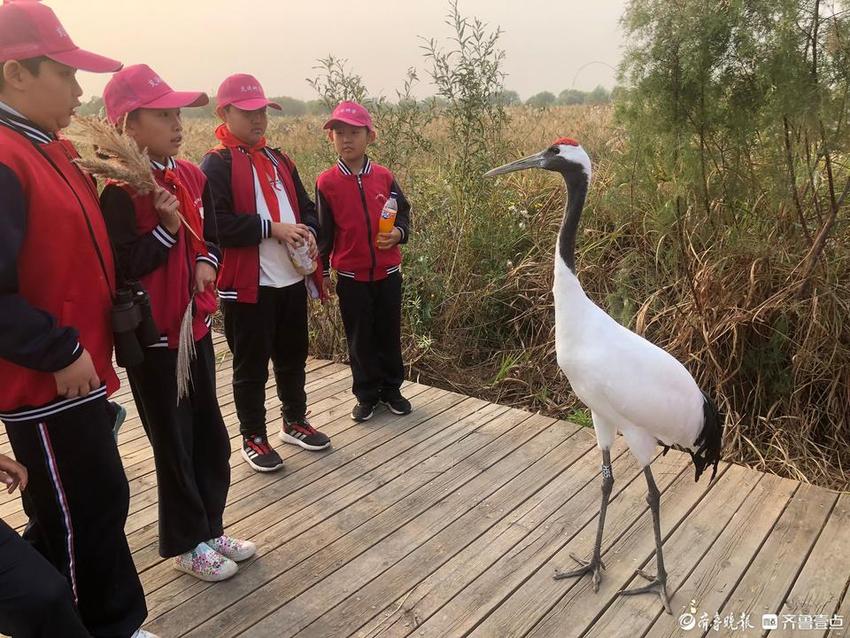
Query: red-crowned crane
point(629, 384)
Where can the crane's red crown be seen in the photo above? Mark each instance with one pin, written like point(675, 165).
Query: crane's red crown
point(565, 141)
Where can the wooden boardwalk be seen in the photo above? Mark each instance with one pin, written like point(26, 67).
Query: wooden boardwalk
point(452, 520)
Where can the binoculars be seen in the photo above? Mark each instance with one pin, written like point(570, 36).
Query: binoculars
point(132, 324)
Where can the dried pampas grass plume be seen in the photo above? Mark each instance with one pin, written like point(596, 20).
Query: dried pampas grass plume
point(186, 353)
point(119, 157)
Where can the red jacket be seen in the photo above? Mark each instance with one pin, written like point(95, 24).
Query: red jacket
point(162, 262)
point(349, 209)
point(240, 229)
point(59, 274)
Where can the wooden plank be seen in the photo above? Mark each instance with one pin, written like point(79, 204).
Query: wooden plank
point(479, 475)
point(693, 537)
point(308, 521)
point(630, 544)
point(428, 511)
point(574, 525)
point(270, 490)
point(711, 581)
point(516, 538)
point(310, 529)
point(841, 621)
point(823, 581)
point(344, 611)
point(769, 578)
point(277, 522)
point(329, 417)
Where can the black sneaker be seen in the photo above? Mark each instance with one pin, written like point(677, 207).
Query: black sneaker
point(259, 454)
point(300, 432)
point(397, 404)
point(363, 411)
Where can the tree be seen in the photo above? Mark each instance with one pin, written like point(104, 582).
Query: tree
point(736, 119)
point(507, 98)
point(289, 106)
point(599, 95)
point(541, 100)
point(568, 97)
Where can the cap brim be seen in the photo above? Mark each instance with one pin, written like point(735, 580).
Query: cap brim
point(345, 120)
point(86, 61)
point(253, 104)
point(178, 100)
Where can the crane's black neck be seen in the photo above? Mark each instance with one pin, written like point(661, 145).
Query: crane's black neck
point(576, 193)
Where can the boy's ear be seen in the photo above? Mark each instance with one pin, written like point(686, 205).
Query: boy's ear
point(373, 135)
point(220, 112)
point(14, 74)
point(331, 135)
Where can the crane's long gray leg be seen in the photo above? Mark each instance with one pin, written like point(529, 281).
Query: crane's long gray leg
point(595, 565)
point(658, 583)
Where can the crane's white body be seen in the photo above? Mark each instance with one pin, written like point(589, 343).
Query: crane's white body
point(629, 384)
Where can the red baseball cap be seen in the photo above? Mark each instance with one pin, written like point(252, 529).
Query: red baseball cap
point(350, 113)
point(29, 29)
point(244, 92)
point(139, 87)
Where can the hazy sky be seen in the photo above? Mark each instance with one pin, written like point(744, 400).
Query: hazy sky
point(194, 44)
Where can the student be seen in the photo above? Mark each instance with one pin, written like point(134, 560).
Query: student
point(261, 205)
point(350, 197)
point(166, 241)
point(56, 286)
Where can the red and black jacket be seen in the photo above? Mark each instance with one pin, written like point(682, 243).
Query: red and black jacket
point(349, 209)
point(240, 228)
point(163, 263)
point(55, 289)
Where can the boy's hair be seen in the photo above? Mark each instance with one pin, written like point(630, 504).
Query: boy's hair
point(33, 65)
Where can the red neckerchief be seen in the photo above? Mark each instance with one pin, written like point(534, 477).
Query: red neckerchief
point(189, 210)
point(265, 167)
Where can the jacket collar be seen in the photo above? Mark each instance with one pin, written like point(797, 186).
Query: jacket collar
point(14, 120)
point(343, 167)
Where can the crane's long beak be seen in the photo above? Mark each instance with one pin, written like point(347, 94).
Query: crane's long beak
point(532, 161)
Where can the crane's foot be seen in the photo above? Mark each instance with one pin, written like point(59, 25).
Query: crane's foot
point(593, 566)
point(656, 585)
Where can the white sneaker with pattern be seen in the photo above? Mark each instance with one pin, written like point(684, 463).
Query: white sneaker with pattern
point(205, 563)
point(233, 548)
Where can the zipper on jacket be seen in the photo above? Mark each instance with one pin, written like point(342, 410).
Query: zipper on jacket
point(368, 228)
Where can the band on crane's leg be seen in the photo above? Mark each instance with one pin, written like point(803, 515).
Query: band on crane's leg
point(595, 565)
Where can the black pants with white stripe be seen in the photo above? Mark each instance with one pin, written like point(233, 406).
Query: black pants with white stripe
point(190, 443)
point(77, 501)
point(273, 328)
point(35, 599)
point(371, 314)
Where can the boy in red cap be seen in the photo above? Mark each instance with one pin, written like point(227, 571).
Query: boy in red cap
point(350, 198)
point(260, 205)
point(167, 241)
point(56, 285)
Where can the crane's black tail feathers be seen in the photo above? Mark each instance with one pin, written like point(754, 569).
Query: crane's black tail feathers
point(710, 439)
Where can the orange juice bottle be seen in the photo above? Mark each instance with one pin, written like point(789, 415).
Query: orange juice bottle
point(387, 221)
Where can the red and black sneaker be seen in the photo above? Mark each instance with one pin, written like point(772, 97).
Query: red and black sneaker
point(259, 454)
point(300, 432)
